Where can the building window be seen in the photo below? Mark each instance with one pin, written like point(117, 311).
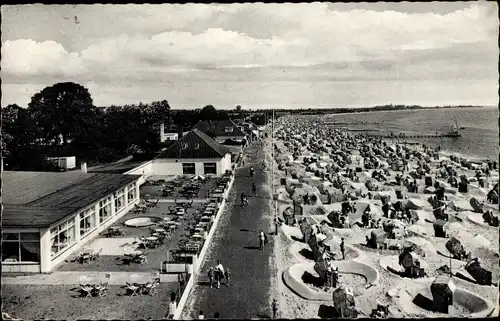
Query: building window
point(132, 193)
point(228, 129)
point(210, 168)
point(188, 169)
point(21, 247)
point(62, 236)
point(87, 221)
point(119, 200)
point(104, 209)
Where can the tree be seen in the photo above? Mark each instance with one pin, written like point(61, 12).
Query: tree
point(62, 111)
point(238, 108)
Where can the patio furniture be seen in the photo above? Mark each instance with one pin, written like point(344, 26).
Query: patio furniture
point(133, 289)
point(152, 203)
point(84, 258)
point(94, 256)
point(86, 290)
point(140, 208)
point(150, 288)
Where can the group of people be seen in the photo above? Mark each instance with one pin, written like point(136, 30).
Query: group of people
point(243, 197)
point(215, 275)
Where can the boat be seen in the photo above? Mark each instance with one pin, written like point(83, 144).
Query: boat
point(454, 131)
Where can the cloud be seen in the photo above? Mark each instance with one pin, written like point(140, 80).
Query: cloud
point(240, 41)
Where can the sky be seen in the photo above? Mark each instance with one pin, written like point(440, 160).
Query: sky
point(305, 55)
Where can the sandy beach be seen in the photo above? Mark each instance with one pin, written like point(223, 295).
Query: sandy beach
point(332, 168)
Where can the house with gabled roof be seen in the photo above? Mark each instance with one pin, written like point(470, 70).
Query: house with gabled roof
point(194, 154)
point(222, 130)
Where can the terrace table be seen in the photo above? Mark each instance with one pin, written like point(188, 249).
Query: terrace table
point(134, 253)
point(197, 236)
point(159, 230)
point(199, 230)
point(152, 238)
point(208, 213)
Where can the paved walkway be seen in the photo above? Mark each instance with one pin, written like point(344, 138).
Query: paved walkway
point(236, 245)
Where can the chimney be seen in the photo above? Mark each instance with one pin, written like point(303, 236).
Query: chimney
point(84, 167)
point(162, 129)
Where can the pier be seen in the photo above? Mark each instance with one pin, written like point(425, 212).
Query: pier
point(403, 136)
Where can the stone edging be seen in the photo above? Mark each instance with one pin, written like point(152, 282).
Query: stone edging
point(203, 252)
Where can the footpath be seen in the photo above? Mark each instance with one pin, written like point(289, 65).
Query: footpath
point(236, 245)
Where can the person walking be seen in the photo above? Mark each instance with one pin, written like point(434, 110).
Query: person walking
point(254, 189)
point(228, 276)
point(274, 307)
point(211, 276)
point(216, 315)
point(262, 239)
point(342, 248)
point(201, 316)
point(220, 273)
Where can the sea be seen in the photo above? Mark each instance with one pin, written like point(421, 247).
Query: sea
point(480, 133)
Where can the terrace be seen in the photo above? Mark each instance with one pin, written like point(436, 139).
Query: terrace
point(159, 234)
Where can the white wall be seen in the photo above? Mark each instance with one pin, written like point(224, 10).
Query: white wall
point(24, 267)
point(170, 166)
point(145, 170)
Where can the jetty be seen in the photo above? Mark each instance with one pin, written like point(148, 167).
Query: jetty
point(403, 136)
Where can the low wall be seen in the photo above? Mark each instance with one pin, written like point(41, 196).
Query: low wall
point(201, 256)
point(293, 278)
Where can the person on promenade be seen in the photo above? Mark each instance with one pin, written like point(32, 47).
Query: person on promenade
point(342, 248)
point(274, 307)
point(216, 315)
point(254, 189)
point(219, 269)
point(211, 276)
point(228, 276)
point(262, 239)
point(243, 199)
point(201, 316)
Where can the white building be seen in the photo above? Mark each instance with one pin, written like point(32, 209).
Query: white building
point(193, 154)
point(166, 136)
point(48, 216)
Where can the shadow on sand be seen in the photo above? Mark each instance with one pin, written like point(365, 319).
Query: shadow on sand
point(311, 279)
point(298, 239)
point(423, 302)
point(308, 254)
point(327, 312)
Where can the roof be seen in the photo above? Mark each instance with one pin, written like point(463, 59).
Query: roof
point(217, 127)
point(39, 199)
point(195, 144)
point(118, 168)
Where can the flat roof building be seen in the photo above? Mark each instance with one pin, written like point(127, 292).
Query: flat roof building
point(47, 216)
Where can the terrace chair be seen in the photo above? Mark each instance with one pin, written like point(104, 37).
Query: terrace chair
point(86, 290)
point(85, 258)
point(132, 289)
point(97, 255)
point(150, 288)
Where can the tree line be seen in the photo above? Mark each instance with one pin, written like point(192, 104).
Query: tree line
point(62, 120)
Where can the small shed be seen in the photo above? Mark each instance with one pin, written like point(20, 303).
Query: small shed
point(442, 290)
point(343, 301)
point(440, 227)
point(288, 216)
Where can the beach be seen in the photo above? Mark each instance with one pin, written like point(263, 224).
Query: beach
point(334, 168)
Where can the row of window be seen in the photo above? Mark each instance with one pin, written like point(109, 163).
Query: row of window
point(190, 168)
point(64, 234)
point(21, 247)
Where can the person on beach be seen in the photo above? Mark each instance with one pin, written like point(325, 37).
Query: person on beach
point(342, 248)
point(254, 189)
point(211, 276)
point(274, 307)
point(228, 276)
point(262, 239)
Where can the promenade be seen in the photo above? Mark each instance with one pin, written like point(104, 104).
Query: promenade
point(236, 245)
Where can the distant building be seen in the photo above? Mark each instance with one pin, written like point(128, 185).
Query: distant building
point(194, 154)
point(48, 216)
point(68, 162)
point(167, 136)
point(222, 130)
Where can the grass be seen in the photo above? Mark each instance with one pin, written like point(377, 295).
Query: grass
point(63, 302)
